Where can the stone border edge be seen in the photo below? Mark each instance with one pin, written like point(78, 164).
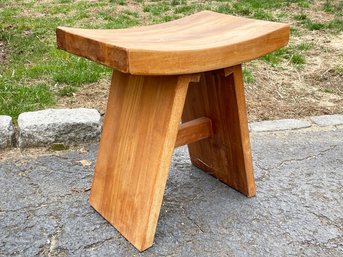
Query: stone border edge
point(321, 121)
point(8, 138)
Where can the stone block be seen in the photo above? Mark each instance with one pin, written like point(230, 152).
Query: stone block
point(276, 125)
point(6, 132)
point(67, 126)
point(328, 120)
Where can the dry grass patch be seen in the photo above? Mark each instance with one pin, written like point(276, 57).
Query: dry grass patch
point(303, 79)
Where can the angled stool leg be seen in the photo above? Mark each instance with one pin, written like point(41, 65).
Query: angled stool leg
point(139, 133)
point(226, 155)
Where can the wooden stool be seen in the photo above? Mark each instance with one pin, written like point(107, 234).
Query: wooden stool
point(190, 70)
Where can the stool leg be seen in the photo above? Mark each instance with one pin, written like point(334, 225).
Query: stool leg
point(226, 155)
point(135, 151)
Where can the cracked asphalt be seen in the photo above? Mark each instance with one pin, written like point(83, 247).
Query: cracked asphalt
point(298, 210)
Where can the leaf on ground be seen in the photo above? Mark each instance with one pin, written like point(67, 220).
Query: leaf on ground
point(85, 163)
point(83, 150)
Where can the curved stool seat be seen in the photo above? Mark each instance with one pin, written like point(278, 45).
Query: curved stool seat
point(188, 70)
point(201, 42)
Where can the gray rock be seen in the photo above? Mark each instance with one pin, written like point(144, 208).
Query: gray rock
point(274, 125)
point(68, 126)
point(6, 131)
point(328, 120)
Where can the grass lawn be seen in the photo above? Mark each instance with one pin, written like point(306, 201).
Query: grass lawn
point(305, 78)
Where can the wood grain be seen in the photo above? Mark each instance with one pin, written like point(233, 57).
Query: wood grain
point(200, 42)
point(139, 133)
point(226, 155)
point(141, 126)
point(194, 130)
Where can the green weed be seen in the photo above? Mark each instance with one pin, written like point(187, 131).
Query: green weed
point(184, 9)
point(300, 17)
point(335, 25)
point(247, 76)
point(15, 99)
point(304, 46)
point(339, 70)
point(34, 66)
point(67, 91)
point(156, 9)
point(120, 2)
point(292, 54)
point(277, 56)
point(177, 2)
point(297, 59)
point(332, 7)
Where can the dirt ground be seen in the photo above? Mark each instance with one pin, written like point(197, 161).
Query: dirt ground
point(280, 91)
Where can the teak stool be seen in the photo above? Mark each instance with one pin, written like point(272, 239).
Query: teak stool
point(190, 70)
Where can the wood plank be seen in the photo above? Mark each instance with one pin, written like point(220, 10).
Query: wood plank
point(194, 130)
point(139, 133)
point(226, 155)
point(197, 43)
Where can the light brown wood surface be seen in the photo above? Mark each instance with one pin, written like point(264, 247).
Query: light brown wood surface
point(139, 133)
point(202, 56)
point(200, 42)
point(193, 131)
point(226, 155)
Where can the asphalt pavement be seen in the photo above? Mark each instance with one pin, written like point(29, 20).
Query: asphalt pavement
point(298, 210)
